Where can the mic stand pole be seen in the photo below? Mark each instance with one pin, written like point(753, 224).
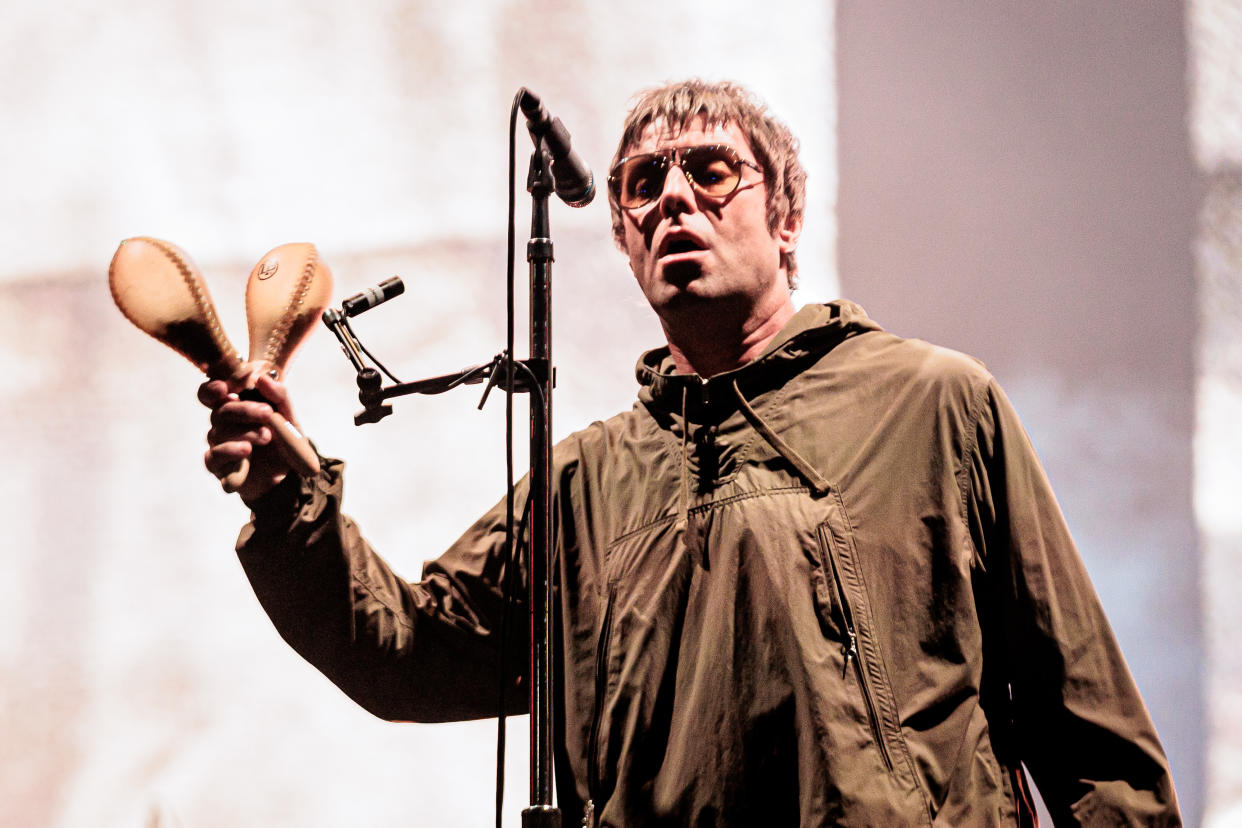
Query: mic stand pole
point(541, 813)
point(537, 377)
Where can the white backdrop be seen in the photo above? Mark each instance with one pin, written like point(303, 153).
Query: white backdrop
point(1215, 34)
point(142, 685)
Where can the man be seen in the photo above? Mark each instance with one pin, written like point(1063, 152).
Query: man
point(815, 577)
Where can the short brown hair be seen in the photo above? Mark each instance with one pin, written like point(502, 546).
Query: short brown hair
point(719, 104)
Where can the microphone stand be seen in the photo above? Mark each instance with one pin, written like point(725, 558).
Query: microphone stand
point(534, 375)
point(537, 377)
point(541, 813)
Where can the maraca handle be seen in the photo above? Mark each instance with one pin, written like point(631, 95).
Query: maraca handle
point(294, 448)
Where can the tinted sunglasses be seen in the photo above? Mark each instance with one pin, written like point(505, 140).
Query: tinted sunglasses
point(714, 170)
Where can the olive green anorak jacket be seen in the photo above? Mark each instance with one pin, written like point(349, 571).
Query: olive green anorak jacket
point(831, 587)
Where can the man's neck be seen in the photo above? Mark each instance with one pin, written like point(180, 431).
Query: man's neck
point(707, 351)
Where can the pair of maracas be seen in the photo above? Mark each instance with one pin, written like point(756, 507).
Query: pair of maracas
point(159, 289)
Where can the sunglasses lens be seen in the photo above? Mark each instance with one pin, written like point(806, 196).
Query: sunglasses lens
point(714, 170)
point(640, 180)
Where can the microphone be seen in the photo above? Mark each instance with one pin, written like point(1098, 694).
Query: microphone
point(369, 298)
point(571, 177)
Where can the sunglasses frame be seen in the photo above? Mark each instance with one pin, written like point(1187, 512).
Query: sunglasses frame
point(673, 157)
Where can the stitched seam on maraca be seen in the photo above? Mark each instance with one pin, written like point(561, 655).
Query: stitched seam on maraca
point(277, 341)
point(196, 290)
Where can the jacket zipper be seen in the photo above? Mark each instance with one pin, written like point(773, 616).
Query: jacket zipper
point(601, 687)
point(850, 651)
point(705, 396)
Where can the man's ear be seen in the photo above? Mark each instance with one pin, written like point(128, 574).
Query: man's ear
point(787, 236)
point(788, 233)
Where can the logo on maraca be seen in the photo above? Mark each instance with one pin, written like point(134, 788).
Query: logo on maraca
point(268, 269)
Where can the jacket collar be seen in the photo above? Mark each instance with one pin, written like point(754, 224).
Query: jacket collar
point(813, 331)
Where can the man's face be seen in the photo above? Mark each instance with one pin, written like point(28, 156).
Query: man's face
point(690, 252)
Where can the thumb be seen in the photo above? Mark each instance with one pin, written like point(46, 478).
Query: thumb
point(276, 393)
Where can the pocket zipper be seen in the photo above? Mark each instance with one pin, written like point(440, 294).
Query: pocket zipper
point(851, 654)
point(597, 713)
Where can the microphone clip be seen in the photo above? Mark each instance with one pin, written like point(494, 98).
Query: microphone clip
point(373, 394)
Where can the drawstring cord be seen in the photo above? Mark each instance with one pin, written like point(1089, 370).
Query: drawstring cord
point(819, 484)
point(685, 458)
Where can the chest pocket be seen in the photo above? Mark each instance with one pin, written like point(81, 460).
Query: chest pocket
point(646, 575)
point(843, 602)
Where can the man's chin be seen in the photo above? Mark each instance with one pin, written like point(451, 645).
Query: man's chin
point(678, 285)
point(692, 299)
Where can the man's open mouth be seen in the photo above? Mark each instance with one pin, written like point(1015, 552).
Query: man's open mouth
point(682, 244)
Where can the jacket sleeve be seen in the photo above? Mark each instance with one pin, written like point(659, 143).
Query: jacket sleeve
point(1078, 722)
point(425, 651)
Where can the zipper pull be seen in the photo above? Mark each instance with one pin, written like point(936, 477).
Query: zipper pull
point(851, 650)
point(588, 816)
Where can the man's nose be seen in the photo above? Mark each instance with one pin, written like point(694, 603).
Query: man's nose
point(678, 194)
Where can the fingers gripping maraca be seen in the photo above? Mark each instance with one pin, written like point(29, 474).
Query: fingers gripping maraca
point(158, 288)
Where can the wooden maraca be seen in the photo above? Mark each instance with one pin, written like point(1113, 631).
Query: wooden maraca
point(159, 289)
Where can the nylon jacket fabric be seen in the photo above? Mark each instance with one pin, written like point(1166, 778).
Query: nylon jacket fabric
point(832, 587)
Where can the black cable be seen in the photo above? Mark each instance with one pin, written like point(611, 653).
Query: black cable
point(510, 557)
point(378, 364)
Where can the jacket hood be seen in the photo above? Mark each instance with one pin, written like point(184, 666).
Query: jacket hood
point(813, 331)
